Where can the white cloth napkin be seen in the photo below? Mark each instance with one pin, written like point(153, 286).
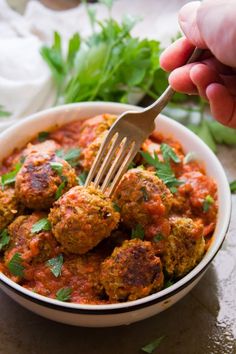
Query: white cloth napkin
point(25, 81)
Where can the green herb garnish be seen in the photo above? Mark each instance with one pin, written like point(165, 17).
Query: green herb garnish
point(82, 178)
point(191, 156)
point(208, 201)
point(60, 190)
point(232, 186)
point(158, 237)
point(3, 112)
point(4, 239)
point(71, 156)
point(138, 232)
point(150, 347)
point(63, 294)
point(116, 207)
point(15, 265)
point(42, 136)
point(163, 171)
point(145, 194)
point(10, 177)
point(169, 154)
point(55, 265)
point(57, 166)
point(41, 225)
point(168, 283)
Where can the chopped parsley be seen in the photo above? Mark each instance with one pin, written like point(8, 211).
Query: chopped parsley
point(42, 136)
point(158, 237)
point(138, 232)
point(153, 345)
point(169, 154)
point(55, 265)
point(10, 177)
point(60, 189)
point(168, 283)
point(232, 186)
point(116, 207)
point(57, 166)
point(71, 156)
point(191, 156)
point(4, 239)
point(208, 201)
point(41, 225)
point(15, 265)
point(145, 194)
point(63, 294)
point(163, 171)
point(82, 178)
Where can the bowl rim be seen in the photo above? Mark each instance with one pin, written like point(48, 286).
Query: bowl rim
point(150, 299)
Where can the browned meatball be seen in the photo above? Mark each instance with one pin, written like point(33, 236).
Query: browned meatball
point(90, 152)
point(132, 271)
point(145, 200)
point(38, 180)
point(81, 218)
point(184, 247)
point(9, 207)
point(32, 247)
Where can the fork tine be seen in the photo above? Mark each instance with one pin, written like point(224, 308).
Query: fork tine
point(116, 163)
point(131, 154)
point(105, 163)
point(99, 157)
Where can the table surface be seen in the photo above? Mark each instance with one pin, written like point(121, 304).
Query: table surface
point(204, 322)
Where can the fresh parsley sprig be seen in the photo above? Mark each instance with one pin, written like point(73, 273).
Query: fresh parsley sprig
point(64, 294)
point(41, 225)
point(153, 345)
point(233, 186)
point(71, 156)
point(10, 177)
point(55, 265)
point(15, 265)
point(4, 239)
point(138, 232)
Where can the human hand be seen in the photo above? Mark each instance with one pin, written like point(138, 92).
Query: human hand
point(211, 25)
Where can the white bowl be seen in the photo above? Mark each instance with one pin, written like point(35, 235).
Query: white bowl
point(128, 312)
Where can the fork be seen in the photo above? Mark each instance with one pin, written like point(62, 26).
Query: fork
point(124, 140)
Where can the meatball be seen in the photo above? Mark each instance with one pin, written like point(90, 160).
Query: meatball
point(33, 247)
point(81, 218)
point(45, 147)
point(38, 180)
point(132, 271)
point(90, 152)
point(142, 198)
point(9, 207)
point(184, 247)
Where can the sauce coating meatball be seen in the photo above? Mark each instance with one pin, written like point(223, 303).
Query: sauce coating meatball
point(38, 180)
point(9, 207)
point(32, 247)
point(143, 199)
point(132, 271)
point(184, 247)
point(81, 218)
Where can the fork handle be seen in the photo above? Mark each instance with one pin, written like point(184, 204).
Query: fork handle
point(166, 96)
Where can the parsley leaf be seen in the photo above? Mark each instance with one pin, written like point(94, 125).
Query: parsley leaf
point(163, 171)
point(10, 177)
point(57, 166)
point(71, 156)
point(208, 201)
point(168, 283)
point(41, 225)
point(42, 136)
point(158, 237)
point(150, 347)
point(60, 190)
point(169, 154)
point(55, 265)
point(116, 207)
point(82, 178)
point(3, 112)
point(15, 265)
point(191, 156)
point(233, 186)
point(138, 232)
point(63, 294)
point(4, 239)
point(145, 194)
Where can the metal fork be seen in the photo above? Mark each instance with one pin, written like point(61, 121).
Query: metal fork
point(124, 140)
